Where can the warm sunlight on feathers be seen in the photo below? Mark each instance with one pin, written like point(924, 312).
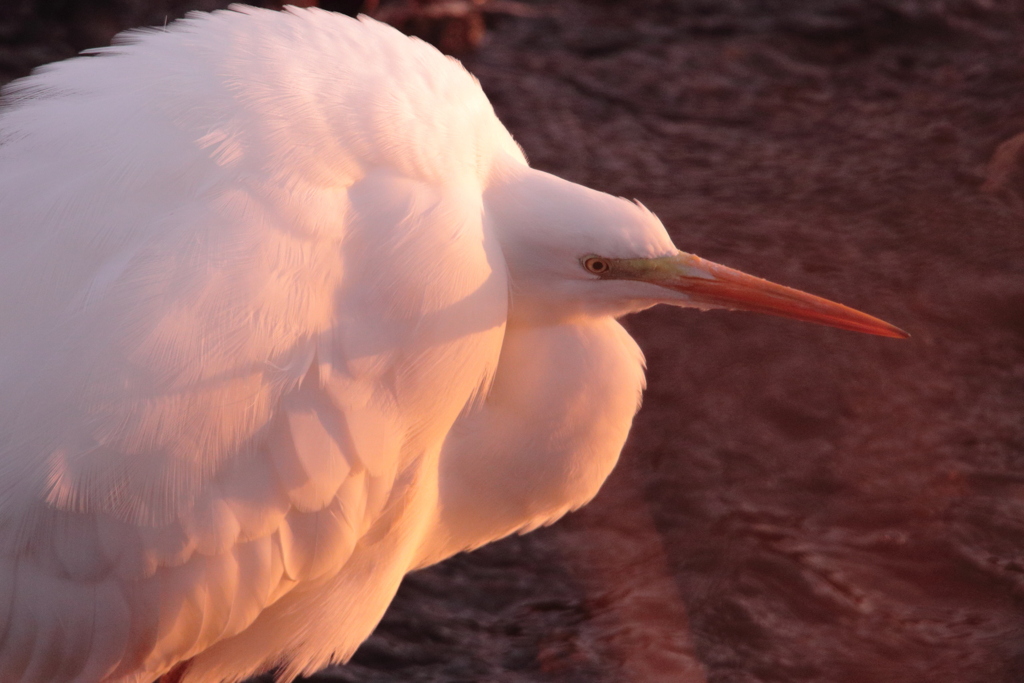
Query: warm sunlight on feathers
point(285, 315)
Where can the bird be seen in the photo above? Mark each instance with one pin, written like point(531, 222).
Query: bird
point(285, 314)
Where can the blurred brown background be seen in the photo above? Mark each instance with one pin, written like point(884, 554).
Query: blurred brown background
point(796, 504)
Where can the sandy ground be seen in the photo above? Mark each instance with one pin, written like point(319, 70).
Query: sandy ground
point(795, 503)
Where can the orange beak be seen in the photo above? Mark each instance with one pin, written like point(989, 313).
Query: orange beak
point(709, 285)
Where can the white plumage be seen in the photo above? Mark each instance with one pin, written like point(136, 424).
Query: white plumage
point(284, 314)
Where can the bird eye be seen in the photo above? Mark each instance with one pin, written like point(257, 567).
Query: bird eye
point(596, 265)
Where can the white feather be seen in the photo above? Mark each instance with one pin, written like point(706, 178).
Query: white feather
point(255, 289)
point(163, 311)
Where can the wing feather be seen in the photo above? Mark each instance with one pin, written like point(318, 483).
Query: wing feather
point(182, 591)
point(77, 547)
point(220, 581)
point(143, 629)
point(257, 499)
point(307, 456)
point(256, 570)
point(94, 657)
point(212, 524)
point(316, 543)
point(320, 478)
point(227, 375)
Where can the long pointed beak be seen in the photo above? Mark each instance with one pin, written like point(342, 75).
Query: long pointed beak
point(710, 285)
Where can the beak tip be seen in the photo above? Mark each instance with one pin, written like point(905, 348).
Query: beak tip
point(897, 333)
point(870, 325)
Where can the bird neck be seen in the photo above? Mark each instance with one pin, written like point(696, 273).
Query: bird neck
point(544, 440)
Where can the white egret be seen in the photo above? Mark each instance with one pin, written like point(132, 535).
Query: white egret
point(285, 314)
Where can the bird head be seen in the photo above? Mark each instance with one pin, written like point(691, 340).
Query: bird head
point(574, 252)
